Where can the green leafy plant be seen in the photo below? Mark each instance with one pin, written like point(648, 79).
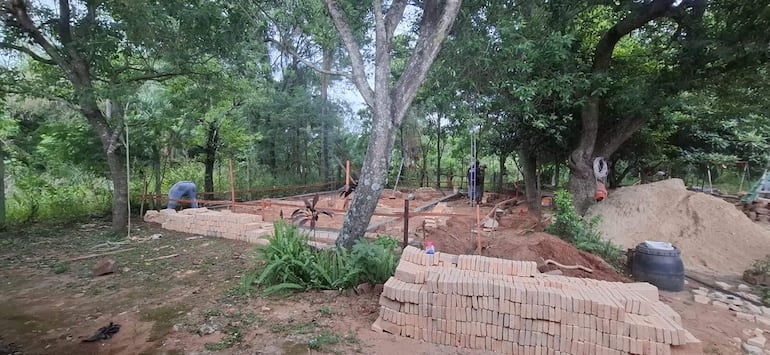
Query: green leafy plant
point(292, 265)
point(377, 260)
point(583, 234)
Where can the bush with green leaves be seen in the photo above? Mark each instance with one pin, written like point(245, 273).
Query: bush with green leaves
point(38, 196)
point(292, 265)
point(580, 232)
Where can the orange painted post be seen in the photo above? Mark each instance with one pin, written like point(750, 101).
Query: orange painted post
point(478, 229)
point(232, 186)
point(406, 222)
point(347, 175)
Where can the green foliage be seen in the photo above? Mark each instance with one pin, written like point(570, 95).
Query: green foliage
point(322, 340)
point(292, 265)
point(583, 234)
point(38, 196)
point(376, 259)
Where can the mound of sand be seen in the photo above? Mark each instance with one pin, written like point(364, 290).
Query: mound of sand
point(714, 236)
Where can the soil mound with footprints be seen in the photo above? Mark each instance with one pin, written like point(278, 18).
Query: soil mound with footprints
point(713, 235)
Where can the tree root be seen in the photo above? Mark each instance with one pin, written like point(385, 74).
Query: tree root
point(570, 267)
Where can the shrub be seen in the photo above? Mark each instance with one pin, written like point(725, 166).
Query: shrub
point(292, 265)
point(583, 234)
point(377, 260)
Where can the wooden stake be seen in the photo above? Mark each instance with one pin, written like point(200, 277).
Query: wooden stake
point(144, 195)
point(406, 222)
point(478, 229)
point(347, 174)
point(232, 186)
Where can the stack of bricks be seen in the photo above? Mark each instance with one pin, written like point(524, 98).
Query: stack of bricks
point(223, 224)
point(437, 221)
point(509, 307)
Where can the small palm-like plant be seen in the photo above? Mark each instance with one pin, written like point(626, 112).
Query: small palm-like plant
point(309, 214)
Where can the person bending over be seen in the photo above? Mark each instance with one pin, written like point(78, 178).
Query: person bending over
point(180, 189)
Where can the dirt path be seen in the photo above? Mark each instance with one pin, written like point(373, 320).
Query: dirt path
point(193, 303)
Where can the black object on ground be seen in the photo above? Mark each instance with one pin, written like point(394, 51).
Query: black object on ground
point(660, 267)
point(104, 333)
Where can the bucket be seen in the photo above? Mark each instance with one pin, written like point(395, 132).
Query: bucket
point(546, 201)
point(660, 267)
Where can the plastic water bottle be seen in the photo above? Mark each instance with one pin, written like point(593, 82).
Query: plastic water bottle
point(429, 248)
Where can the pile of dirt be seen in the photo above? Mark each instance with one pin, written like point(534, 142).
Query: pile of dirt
point(537, 247)
point(714, 236)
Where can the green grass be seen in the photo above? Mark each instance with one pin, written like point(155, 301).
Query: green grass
point(237, 323)
point(325, 311)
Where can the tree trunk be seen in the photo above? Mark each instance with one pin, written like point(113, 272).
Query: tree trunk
point(388, 101)
point(529, 167)
point(582, 183)
point(501, 159)
point(370, 184)
point(115, 158)
point(438, 152)
point(328, 56)
point(156, 174)
point(212, 142)
point(2, 189)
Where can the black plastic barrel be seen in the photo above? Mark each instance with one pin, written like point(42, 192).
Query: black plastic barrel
point(660, 267)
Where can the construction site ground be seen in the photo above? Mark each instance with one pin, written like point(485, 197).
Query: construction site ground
point(179, 293)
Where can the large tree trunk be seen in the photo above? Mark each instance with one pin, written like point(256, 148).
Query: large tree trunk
point(582, 182)
point(370, 184)
point(388, 102)
point(115, 157)
point(501, 160)
point(2, 189)
point(328, 56)
point(529, 166)
point(438, 152)
point(156, 174)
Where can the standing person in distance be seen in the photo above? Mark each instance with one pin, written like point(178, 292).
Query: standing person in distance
point(474, 173)
point(480, 183)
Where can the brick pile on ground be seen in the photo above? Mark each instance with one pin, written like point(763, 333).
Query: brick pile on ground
point(223, 224)
point(509, 307)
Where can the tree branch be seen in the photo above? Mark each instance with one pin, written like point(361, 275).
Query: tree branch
point(158, 76)
point(392, 19)
point(17, 9)
point(302, 59)
point(610, 140)
point(27, 51)
point(425, 52)
point(65, 34)
point(357, 61)
point(583, 153)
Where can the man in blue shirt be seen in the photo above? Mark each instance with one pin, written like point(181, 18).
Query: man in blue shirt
point(180, 189)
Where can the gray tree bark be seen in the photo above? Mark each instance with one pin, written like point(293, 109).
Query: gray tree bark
point(388, 106)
